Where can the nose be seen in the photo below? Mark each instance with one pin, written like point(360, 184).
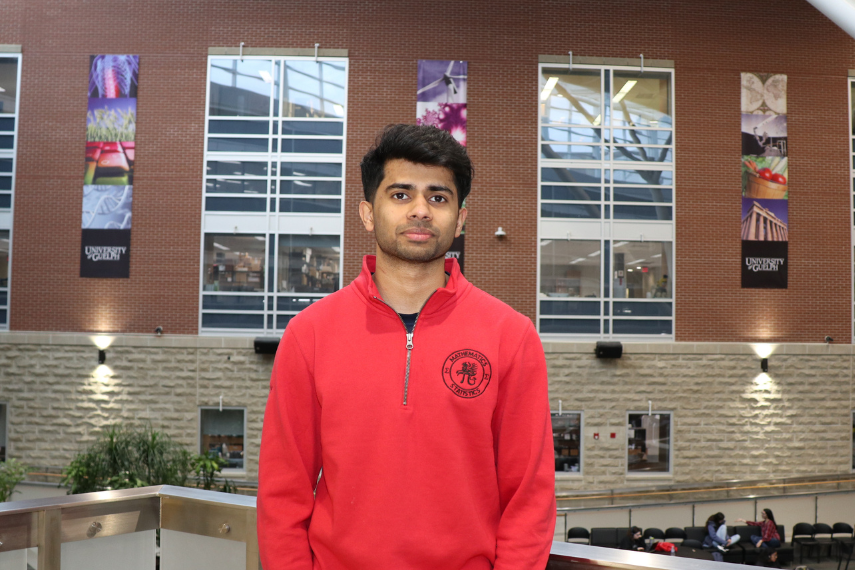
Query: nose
point(419, 208)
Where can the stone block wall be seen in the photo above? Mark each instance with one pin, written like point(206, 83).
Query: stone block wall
point(59, 398)
point(728, 421)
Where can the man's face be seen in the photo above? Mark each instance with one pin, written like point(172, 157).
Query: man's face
point(414, 216)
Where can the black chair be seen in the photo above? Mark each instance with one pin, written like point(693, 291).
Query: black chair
point(823, 534)
point(844, 549)
point(842, 532)
point(690, 543)
point(674, 534)
point(604, 537)
point(578, 535)
point(803, 537)
point(654, 533)
point(696, 533)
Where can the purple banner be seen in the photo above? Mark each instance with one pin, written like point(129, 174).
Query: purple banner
point(108, 178)
point(441, 96)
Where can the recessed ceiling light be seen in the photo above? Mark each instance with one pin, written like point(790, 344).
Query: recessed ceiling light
point(266, 76)
point(547, 89)
point(624, 90)
point(218, 246)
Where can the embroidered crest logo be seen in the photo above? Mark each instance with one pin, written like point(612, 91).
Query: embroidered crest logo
point(467, 373)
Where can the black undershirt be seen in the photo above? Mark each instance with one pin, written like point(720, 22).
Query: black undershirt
point(409, 321)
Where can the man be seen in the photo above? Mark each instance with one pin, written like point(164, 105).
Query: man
point(423, 398)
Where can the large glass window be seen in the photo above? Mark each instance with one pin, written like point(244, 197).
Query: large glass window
point(222, 433)
point(606, 202)
point(3, 435)
point(10, 74)
point(648, 443)
point(567, 439)
point(274, 162)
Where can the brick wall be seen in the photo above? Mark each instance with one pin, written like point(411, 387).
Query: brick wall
point(710, 43)
point(725, 423)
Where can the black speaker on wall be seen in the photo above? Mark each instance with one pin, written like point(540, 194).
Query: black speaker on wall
point(265, 345)
point(607, 349)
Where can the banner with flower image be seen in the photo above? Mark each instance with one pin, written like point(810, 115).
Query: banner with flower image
point(441, 102)
point(108, 179)
point(765, 187)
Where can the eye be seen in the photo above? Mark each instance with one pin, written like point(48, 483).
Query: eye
point(438, 198)
point(399, 196)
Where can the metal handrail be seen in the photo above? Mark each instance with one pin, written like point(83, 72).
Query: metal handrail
point(48, 523)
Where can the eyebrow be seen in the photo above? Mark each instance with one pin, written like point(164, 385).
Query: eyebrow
point(431, 188)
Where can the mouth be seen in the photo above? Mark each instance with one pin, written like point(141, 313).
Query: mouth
point(418, 234)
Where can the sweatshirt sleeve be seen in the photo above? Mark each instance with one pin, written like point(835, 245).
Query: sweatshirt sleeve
point(289, 461)
point(525, 463)
point(713, 535)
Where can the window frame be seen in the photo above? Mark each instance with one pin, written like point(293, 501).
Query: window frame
point(225, 470)
point(603, 229)
point(563, 475)
point(650, 474)
point(271, 222)
point(7, 216)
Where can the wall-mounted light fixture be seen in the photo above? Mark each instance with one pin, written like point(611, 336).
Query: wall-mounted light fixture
point(500, 233)
point(102, 356)
point(158, 330)
point(764, 365)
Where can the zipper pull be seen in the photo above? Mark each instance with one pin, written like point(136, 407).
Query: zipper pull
point(409, 341)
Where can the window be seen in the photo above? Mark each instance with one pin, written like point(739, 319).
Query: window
point(222, 433)
point(10, 78)
point(648, 443)
point(606, 225)
point(567, 438)
point(3, 431)
point(274, 190)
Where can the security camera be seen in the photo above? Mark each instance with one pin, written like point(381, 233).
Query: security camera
point(158, 330)
point(829, 340)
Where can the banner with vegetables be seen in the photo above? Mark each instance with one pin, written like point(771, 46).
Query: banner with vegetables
point(765, 175)
point(108, 179)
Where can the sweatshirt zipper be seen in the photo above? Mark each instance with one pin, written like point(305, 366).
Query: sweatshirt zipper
point(409, 340)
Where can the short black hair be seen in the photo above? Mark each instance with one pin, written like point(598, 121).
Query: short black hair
point(419, 144)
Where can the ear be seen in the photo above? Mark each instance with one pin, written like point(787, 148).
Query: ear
point(366, 214)
point(461, 219)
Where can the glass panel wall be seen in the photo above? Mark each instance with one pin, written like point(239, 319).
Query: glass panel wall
point(3, 435)
point(222, 433)
point(606, 169)
point(275, 148)
point(10, 74)
point(648, 443)
point(567, 438)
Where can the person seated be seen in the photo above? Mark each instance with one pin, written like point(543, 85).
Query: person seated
point(632, 540)
point(769, 537)
point(716, 538)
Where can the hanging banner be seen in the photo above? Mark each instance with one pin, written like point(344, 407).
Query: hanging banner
point(765, 174)
point(109, 175)
point(441, 102)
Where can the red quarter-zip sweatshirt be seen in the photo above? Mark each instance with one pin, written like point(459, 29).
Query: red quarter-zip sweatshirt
point(436, 448)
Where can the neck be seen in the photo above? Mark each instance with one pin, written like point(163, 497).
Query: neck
point(406, 285)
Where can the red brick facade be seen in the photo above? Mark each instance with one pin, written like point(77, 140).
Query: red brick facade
point(710, 44)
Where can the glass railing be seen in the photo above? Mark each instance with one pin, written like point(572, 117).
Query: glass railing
point(174, 528)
